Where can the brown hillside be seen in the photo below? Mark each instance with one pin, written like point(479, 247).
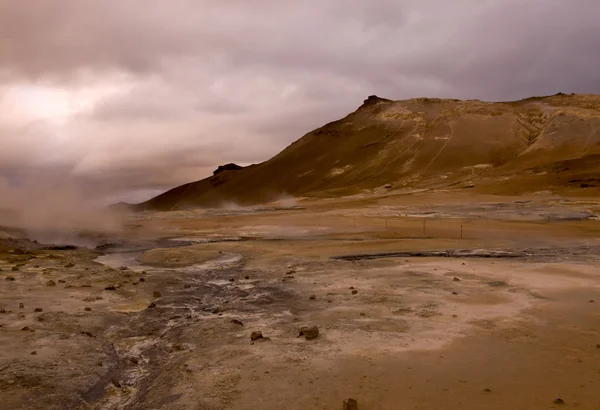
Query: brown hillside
point(507, 147)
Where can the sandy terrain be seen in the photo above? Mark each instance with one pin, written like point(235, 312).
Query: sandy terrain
point(432, 301)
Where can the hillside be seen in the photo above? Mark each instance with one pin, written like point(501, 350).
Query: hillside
point(504, 147)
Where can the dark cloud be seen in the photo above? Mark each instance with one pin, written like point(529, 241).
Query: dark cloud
point(137, 96)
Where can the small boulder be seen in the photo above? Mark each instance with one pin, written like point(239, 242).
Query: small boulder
point(456, 279)
point(15, 268)
point(312, 297)
point(151, 305)
point(87, 309)
point(21, 306)
point(558, 401)
point(309, 332)
point(38, 310)
point(156, 294)
point(69, 265)
point(10, 278)
point(256, 335)
point(50, 283)
point(354, 292)
point(123, 268)
point(187, 286)
point(350, 404)
point(142, 280)
point(110, 287)
point(237, 322)
point(246, 277)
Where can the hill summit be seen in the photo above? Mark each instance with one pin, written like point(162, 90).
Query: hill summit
point(421, 144)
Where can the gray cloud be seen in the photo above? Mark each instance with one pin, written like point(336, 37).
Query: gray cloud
point(159, 93)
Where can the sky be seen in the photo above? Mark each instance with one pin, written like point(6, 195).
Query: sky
point(124, 99)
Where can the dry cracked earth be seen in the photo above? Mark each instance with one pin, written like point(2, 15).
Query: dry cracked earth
point(164, 316)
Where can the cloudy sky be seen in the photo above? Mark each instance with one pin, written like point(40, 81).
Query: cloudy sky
point(128, 98)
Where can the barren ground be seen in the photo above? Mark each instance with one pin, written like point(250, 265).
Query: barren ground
point(506, 317)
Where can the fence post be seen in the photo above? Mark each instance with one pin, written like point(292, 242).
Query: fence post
point(461, 232)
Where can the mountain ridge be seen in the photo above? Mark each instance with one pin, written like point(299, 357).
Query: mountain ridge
point(420, 143)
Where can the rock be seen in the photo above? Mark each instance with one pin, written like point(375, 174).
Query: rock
point(87, 309)
point(2, 310)
point(387, 186)
point(455, 293)
point(350, 404)
point(123, 268)
point(312, 297)
point(38, 310)
point(33, 353)
point(309, 332)
point(558, 401)
point(290, 272)
point(50, 283)
point(256, 336)
point(62, 281)
point(116, 383)
point(21, 306)
point(226, 167)
point(142, 280)
point(36, 266)
point(598, 346)
point(231, 280)
point(88, 334)
point(187, 286)
point(351, 287)
point(10, 278)
point(25, 329)
point(15, 268)
point(134, 360)
point(592, 301)
point(354, 292)
point(215, 309)
point(156, 294)
point(456, 279)
point(110, 287)
point(497, 284)
point(487, 391)
point(246, 277)
point(143, 272)
point(151, 305)
point(237, 322)
point(178, 347)
point(69, 265)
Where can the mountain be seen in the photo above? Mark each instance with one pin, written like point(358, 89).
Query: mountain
point(418, 144)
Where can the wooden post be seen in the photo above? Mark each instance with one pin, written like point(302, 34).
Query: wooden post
point(461, 232)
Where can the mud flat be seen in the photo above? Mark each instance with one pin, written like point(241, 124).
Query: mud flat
point(492, 322)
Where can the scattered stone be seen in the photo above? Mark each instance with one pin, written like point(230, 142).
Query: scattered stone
point(187, 286)
point(142, 280)
point(454, 315)
point(559, 401)
point(110, 287)
point(87, 309)
point(116, 383)
point(26, 329)
point(38, 310)
point(69, 265)
point(487, 391)
point(350, 404)
point(156, 294)
point(309, 332)
point(246, 277)
point(15, 268)
point(351, 287)
point(36, 266)
point(86, 285)
point(497, 284)
point(215, 309)
point(592, 301)
point(62, 281)
point(33, 353)
point(256, 336)
point(354, 292)
point(312, 297)
point(10, 278)
point(363, 314)
point(2, 310)
point(178, 347)
point(456, 279)
point(21, 306)
point(123, 268)
point(143, 272)
point(231, 280)
point(134, 360)
point(290, 272)
point(454, 293)
point(151, 305)
point(99, 363)
point(387, 186)
point(598, 346)
point(69, 286)
point(88, 334)
point(237, 322)
point(50, 283)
